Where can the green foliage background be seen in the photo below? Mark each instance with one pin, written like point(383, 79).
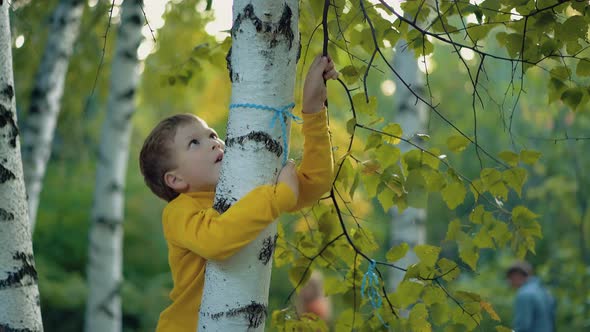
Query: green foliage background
point(478, 234)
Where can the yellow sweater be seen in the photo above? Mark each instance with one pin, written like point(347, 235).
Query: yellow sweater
point(195, 232)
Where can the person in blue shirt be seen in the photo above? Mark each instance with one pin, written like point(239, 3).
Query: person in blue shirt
point(534, 306)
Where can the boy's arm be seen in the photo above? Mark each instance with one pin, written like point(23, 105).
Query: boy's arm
point(317, 167)
point(218, 236)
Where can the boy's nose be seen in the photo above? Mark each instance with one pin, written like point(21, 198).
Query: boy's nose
point(216, 144)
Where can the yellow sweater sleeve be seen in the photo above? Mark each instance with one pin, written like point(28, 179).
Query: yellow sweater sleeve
point(218, 236)
point(317, 167)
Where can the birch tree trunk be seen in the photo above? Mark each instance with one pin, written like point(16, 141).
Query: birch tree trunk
point(19, 294)
point(103, 307)
point(408, 226)
point(45, 106)
point(262, 68)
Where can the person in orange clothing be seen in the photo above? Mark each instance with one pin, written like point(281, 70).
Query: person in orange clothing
point(180, 161)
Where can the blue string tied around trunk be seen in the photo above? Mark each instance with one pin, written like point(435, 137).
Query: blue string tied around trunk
point(281, 114)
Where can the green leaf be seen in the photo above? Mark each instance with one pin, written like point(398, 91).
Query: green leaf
point(483, 239)
point(490, 310)
point(468, 252)
point(395, 130)
point(515, 178)
point(407, 293)
point(449, 270)
point(509, 157)
point(387, 154)
point(583, 68)
point(529, 156)
point(385, 198)
point(433, 295)
point(561, 73)
point(364, 106)
point(454, 230)
point(419, 319)
point(573, 28)
point(350, 126)
point(573, 97)
point(350, 74)
point(373, 141)
point(333, 285)
point(427, 254)
point(500, 233)
point(398, 252)
point(439, 313)
point(364, 240)
point(299, 272)
point(457, 143)
point(454, 194)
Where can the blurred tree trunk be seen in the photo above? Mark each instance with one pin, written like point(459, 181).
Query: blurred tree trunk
point(408, 226)
point(19, 293)
point(262, 68)
point(104, 272)
point(39, 125)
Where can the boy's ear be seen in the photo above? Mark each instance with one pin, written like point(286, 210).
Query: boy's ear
point(175, 181)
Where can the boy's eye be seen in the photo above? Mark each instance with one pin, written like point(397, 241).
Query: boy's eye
point(214, 136)
point(193, 142)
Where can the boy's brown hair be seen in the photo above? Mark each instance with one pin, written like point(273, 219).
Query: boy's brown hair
point(156, 156)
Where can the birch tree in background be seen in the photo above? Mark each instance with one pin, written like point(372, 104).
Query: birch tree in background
point(39, 125)
point(409, 226)
point(105, 250)
point(262, 68)
point(19, 293)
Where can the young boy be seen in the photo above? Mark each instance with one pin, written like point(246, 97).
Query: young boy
point(180, 161)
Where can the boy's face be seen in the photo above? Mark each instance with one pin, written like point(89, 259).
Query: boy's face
point(198, 153)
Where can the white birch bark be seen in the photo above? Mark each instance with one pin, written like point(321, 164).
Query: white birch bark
point(263, 62)
point(408, 226)
point(45, 106)
point(105, 252)
point(19, 293)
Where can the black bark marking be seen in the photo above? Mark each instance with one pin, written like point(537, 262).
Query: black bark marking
point(104, 306)
point(8, 328)
point(26, 271)
point(298, 49)
point(268, 248)
point(130, 55)
point(254, 313)
point(127, 94)
point(111, 224)
point(228, 64)
point(5, 215)
point(284, 27)
point(223, 204)
point(6, 175)
point(8, 92)
point(6, 119)
point(115, 187)
point(274, 30)
point(135, 19)
point(270, 144)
